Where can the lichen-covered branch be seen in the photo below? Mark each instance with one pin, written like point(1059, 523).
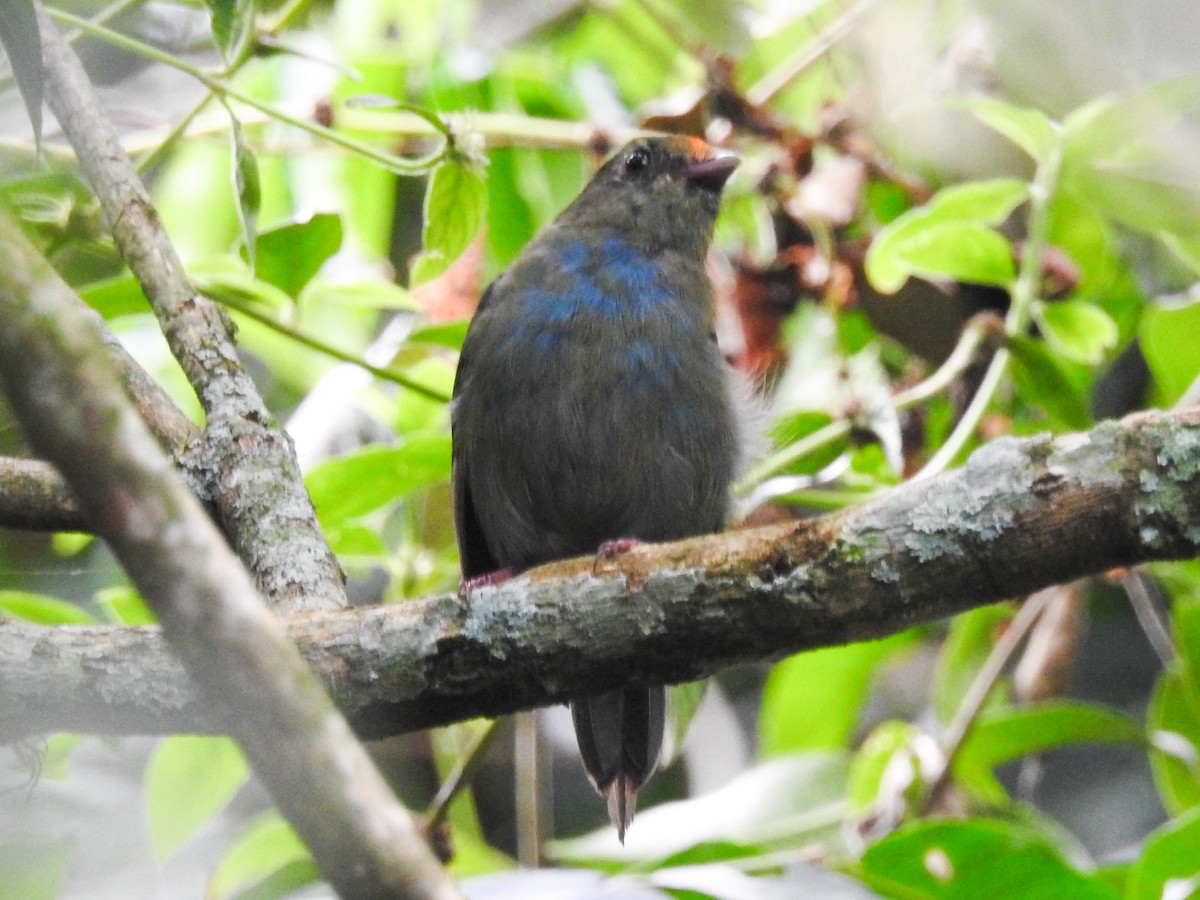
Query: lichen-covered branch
point(245, 671)
point(246, 457)
point(1019, 516)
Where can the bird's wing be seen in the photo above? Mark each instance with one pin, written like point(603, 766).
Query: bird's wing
point(474, 556)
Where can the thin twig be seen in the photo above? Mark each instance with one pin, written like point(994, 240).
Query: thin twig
point(313, 343)
point(460, 776)
point(770, 85)
point(981, 687)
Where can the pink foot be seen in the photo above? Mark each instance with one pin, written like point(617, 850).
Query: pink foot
point(498, 577)
point(610, 549)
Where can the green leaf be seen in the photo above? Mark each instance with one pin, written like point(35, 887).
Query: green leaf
point(1043, 381)
point(1168, 855)
point(247, 186)
point(22, 43)
point(814, 699)
point(971, 859)
point(961, 252)
point(1028, 128)
point(968, 643)
point(926, 240)
point(34, 870)
point(455, 206)
point(115, 297)
point(1168, 341)
point(41, 609)
point(1004, 734)
point(1173, 722)
point(987, 202)
point(288, 256)
point(267, 850)
point(189, 780)
point(363, 481)
point(1078, 330)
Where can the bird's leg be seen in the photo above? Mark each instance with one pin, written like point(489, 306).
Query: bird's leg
point(490, 578)
point(612, 549)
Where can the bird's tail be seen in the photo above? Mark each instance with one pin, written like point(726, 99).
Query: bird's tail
point(620, 735)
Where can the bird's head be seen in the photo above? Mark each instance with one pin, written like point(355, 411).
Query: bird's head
point(659, 193)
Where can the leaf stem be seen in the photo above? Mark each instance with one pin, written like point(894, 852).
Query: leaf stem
point(222, 88)
point(313, 343)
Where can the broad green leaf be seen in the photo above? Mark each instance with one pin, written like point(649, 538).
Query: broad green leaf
point(1078, 330)
point(1168, 341)
point(189, 780)
point(1028, 128)
point(1043, 381)
point(41, 609)
point(223, 20)
point(960, 252)
point(954, 218)
point(814, 699)
point(455, 205)
point(34, 870)
point(267, 851)
point(22, 42)
point(1169, 857)
point(363, 481)
point(971, 859)
point(968, 643)
point(987, 202)
point(288, 256)
point(115, 297)
point(1001, 735)
point(1173, 723)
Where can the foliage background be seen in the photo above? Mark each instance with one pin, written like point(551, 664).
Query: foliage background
point(1069, 129)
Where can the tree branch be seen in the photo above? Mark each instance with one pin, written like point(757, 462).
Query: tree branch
point(34, 497)
point(247, 673)
point(256, 480)
point(1019, 516)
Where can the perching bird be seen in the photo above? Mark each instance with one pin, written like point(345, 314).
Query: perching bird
point(591, 404)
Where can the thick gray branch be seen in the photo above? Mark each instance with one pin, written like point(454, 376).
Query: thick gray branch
point(236, 653)
point(248, 459)
point(34, 497)
point(1019, 516)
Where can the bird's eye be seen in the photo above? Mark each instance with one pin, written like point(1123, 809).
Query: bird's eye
point(637, 160)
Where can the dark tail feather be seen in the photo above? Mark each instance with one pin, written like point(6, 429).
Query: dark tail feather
point(620, 734)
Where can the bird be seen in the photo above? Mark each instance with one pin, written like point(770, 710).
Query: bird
point(592, 407)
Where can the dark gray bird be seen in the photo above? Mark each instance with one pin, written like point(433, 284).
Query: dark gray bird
point(592, 404)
